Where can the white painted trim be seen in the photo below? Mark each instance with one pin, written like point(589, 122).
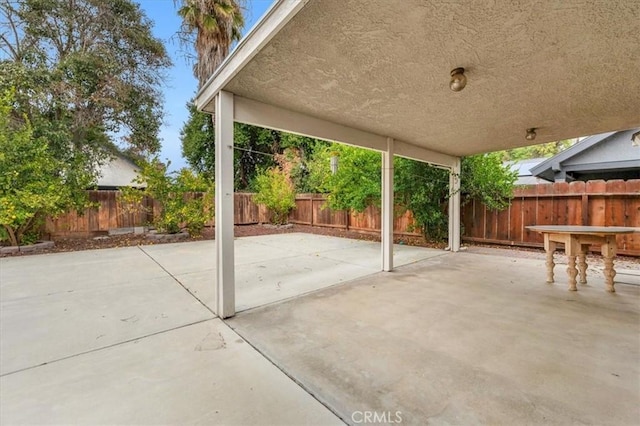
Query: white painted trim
point(387, 207)
point(224, 205)
point(278, 15)
point(454, 206)
point(260, 114)
point(249, 111)
point(407, 150)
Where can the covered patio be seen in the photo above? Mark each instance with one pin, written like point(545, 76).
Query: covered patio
point(448, 338)
point(461, 339)
point(379, 75)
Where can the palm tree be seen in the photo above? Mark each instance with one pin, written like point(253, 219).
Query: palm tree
point(215, 24)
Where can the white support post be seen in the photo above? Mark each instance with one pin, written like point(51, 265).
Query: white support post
point(454, 207)
point(387, 207)
point(225, 279)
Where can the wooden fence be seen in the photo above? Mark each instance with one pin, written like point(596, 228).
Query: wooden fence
point(594, 203)
point(597, 203)
point(310, 210)
point(111, 213)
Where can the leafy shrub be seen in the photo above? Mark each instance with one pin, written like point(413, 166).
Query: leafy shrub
point(355, 185)
point(275, 191)
point(185, 199)
point(33, 182)
point(418, 187)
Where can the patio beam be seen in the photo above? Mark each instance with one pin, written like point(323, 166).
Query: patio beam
point(454, 206)
point(414, 152)
point(256, 113)
point(249, 111)
point(387, 207)
point(225, 273)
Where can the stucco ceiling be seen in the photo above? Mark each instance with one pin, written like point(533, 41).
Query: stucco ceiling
point(567, 67)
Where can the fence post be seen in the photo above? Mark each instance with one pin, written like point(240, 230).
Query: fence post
point(311, 210)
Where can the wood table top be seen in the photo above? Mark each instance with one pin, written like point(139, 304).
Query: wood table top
point(586, 230)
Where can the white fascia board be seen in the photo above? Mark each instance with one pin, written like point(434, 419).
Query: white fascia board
point(260, 114)
point(413, 152)
point(273, 21)
point(249, 111)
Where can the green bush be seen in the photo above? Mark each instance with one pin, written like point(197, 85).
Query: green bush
point(33, 182)
point(185, 198)
point(275, 191)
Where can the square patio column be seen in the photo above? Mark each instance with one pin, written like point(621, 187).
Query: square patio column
point(454, 206)
point(387, 207)
point(225, 273)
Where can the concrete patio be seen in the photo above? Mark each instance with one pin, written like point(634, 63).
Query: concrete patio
point(128, 336)
point(116, 336)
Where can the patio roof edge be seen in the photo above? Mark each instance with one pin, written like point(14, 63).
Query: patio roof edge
point(265, 29)
point(256, 113)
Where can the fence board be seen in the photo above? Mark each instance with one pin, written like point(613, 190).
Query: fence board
point(595, 203)
point(516, 213)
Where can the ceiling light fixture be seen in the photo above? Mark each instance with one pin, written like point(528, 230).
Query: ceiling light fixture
point(458, 79)
point(531, 134)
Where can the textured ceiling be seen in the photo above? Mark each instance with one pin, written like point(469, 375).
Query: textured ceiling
point(567, 67)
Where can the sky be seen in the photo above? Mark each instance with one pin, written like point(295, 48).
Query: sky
point(181, 85)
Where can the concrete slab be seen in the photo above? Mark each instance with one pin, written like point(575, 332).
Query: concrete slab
point(267, 282)
point(45, 318)
point(368, 255)
point(46, 274)
point(250, 250)
point(200, 374)
point(183, 258)
point(461, 339)
point(306, 243)
point(202, 285)
point(271, 268)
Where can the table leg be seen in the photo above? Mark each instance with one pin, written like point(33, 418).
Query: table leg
point(582, 263)
point(609, 253)
point(550, 248)
point(572, 272)
point(572, 248)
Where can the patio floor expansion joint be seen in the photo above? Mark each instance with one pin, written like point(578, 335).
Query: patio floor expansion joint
point(289, 375)
point(178, 281)
point(134, 339)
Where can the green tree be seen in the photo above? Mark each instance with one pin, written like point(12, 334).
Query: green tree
point(419, 187)
point(210, 26)
point(198, 141)
point(254, 148)
point(424, 190)
point(537, 151)
point(355, 185)
point(34, 184)
point(255, 151)
point(276, 192)
point(484, 177)
point(88, 72)
point(185, 198)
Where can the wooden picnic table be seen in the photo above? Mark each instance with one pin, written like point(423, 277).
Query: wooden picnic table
point(576, 240)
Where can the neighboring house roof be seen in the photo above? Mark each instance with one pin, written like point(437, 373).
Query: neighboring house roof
point(604, 156)
point(523, 167)
point(118, 172)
